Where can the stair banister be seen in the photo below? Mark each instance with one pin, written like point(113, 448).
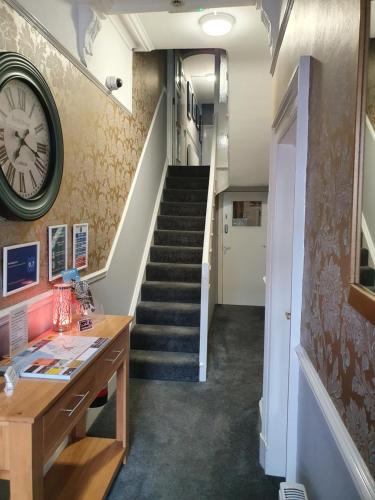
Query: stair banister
point(207, 291)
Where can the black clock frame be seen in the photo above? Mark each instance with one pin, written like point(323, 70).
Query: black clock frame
point(12, 206)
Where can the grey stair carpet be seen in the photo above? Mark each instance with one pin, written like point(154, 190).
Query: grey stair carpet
point(165, 338)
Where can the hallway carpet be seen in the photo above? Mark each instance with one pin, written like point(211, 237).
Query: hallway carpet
point(194, 441)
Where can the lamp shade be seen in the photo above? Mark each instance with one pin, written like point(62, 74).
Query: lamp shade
point(62, 307)
point(217, 23)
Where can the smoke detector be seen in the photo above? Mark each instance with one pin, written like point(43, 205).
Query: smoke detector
point(177, 3)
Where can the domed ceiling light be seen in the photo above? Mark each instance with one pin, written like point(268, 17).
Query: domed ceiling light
point(217, 23)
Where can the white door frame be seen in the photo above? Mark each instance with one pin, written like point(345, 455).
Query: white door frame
point(294, 109)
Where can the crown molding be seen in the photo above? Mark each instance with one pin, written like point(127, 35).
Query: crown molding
point(137, 31)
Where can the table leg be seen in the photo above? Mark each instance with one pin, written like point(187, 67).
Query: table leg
point(122, 407)
point(26, 461)
point(79, 431)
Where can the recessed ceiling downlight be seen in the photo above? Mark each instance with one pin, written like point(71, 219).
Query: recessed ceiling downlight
point(217, 23)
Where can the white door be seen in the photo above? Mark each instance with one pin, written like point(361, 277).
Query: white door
point(244, 248)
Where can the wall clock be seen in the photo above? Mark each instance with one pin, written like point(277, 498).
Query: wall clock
point(31, 142)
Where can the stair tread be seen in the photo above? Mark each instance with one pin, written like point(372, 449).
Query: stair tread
point(195, 217)
point(176, 247)
point(178, 231)
point(164, 357)
point(183, 190)
point(171, 284)
point(182, 306)
point(165, 329)
point(174, 264)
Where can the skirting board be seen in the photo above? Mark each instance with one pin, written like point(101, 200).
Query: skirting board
point(357, 468)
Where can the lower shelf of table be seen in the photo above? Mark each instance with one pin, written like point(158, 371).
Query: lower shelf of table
point(84, 470)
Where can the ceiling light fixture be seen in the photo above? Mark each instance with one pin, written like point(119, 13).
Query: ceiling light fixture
point(217, 23)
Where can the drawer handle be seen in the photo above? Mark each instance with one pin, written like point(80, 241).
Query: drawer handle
point(115, 358)
point(70, 411)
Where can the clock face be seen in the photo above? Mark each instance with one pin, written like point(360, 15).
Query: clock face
point(24, 139)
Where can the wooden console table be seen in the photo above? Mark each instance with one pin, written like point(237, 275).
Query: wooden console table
point(40, 414)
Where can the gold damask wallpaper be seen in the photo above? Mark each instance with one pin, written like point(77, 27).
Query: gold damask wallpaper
point(102, 145)
point(339, 341)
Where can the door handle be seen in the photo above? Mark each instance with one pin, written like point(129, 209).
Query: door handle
point(288, 315)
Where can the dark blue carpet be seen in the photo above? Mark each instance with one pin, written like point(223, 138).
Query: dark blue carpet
point(199, 440)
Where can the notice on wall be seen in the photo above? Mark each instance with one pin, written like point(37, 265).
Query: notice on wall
point(57, 250)
point(80, 245)
point(18, 330)
point(20, 267)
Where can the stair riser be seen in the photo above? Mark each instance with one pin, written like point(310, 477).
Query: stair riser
point(178, 208)
point(147, 316)
point(188, 171)
point(153, 371)
point(176, 255)
point(172, 294)
point(154, 273)
point(187, 183)
point(182, 195)
point(187, 343)
point(171, 238)
point(181, 223)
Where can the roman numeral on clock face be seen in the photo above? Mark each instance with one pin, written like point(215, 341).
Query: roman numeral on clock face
point(40, 166)
point(32, 109)
point(9, 96)
point(1, 134)
point(41, 148)
point(3, 114)
point(22, 182)
point(33, 182)
point(3, 154)
point(11, 172)
point(21, 99)
point(39, 128)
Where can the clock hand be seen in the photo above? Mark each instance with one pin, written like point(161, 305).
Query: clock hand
point(22, 142)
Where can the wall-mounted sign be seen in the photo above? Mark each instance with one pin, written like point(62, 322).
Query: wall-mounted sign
point(20, 267)
point(247, 213)
point(57, 250)
point(80, 245)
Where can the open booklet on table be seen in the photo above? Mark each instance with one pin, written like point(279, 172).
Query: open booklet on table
point(58, 357)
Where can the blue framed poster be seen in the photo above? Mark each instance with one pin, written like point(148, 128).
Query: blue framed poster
point(80, 245)
point(57, 250)
point(20, 267)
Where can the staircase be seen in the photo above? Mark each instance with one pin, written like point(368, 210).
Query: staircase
point(165, 338)
point(366, 272)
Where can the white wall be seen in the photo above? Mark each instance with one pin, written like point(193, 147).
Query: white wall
point(320, 465)
point(112, 53)
point(116, 290)
point(250, 119)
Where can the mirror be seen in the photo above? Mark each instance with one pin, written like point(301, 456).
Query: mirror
point(367, 240)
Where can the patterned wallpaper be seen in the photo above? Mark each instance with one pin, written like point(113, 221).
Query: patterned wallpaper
point(102, 145)
point(339, 341)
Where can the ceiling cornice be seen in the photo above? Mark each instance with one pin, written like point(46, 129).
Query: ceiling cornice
point(137, 31)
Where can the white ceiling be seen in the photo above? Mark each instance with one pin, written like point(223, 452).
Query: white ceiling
point(136, 6)
point(198, 66)
point(182, 31)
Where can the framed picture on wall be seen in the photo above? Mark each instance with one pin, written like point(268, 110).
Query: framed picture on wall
point(198, 114)
point(188, 100)
point(80, 245)
point(200, 128)
point(178, 72)
point(57, 250)
point(194, 107)
point(20, 267)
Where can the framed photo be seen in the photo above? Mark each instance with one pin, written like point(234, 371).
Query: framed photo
point(80, 245)
point(178, 72)
point(194, 107)
point(200, 129)
point(20, 267)
point(198, 114)
point(188, 100)
point(57, 251)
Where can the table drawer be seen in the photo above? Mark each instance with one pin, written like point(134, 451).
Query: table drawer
point(62, 417)
point(111, 359)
